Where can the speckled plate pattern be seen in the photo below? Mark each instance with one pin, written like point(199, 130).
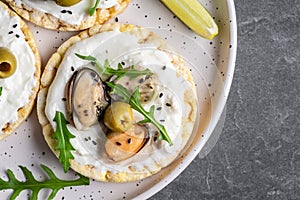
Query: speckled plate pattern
point(211, 63)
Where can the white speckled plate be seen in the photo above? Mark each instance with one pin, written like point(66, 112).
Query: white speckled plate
point(212, 64)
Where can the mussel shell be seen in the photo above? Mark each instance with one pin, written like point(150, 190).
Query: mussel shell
point(123, 145)
point(147, 84)
point(86, 98)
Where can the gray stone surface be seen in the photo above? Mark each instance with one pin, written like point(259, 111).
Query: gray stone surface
point(258, 153)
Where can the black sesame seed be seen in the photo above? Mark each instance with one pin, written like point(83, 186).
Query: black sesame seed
point(116, 19)
point(72, 68)
point(162, 120)
point(161, 95)
point(17, 36)
point(158, 108)
point(129, 141)
point(164, 68)
point(168, 104)
point(69, 12)
point(118, 143)
point(141, 80)
point(123, 63)
point(63, 11)
point(10, 32)
point(15, 25)
point(64, 99)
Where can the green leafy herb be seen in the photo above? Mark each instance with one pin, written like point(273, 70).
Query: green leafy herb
point(63, 136)
point(53, 183)
point(92, 10)
point(107, 70)
point(134, 102)
point(0, 91)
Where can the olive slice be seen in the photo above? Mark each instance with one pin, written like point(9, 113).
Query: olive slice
point(67, 2)
point(8, 63)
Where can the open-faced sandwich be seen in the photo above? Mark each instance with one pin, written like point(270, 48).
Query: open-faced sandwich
point(125, 103)
point(68, 15)
point(19, 71)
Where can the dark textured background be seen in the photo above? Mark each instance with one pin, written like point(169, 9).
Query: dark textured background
point(258, 153)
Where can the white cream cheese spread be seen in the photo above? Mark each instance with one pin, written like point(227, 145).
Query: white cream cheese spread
point(72, 14)
point(123, 47)
point(17, 88)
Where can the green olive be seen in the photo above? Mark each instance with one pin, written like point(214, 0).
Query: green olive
point(8, 63)
point(67, 2)
point(118, 117)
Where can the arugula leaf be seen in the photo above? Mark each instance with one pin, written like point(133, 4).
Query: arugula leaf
point(135, 103)
point(53, 183)
point(107, 70)
point(92, 10)
point(63, 136)
point(0, 91)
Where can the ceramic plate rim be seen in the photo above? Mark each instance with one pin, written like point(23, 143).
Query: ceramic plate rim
point(220, 107)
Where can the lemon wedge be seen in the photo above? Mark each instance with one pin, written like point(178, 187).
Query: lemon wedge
point(194, 15)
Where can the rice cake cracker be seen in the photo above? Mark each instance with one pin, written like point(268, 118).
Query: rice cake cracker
point(72, 18)
point(90, 157)
point(18, 90)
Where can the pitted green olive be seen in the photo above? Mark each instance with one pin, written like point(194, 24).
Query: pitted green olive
point(119, 117)
point(8, 63)
point(67, 2)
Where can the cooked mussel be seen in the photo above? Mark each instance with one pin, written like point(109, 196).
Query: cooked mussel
point(122, 145)
point(86, 98)
point(8, 63)
point(147, 84)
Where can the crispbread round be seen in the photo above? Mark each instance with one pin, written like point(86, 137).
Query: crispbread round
point(24, 111)
point(50, 72)
point(49, 21)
